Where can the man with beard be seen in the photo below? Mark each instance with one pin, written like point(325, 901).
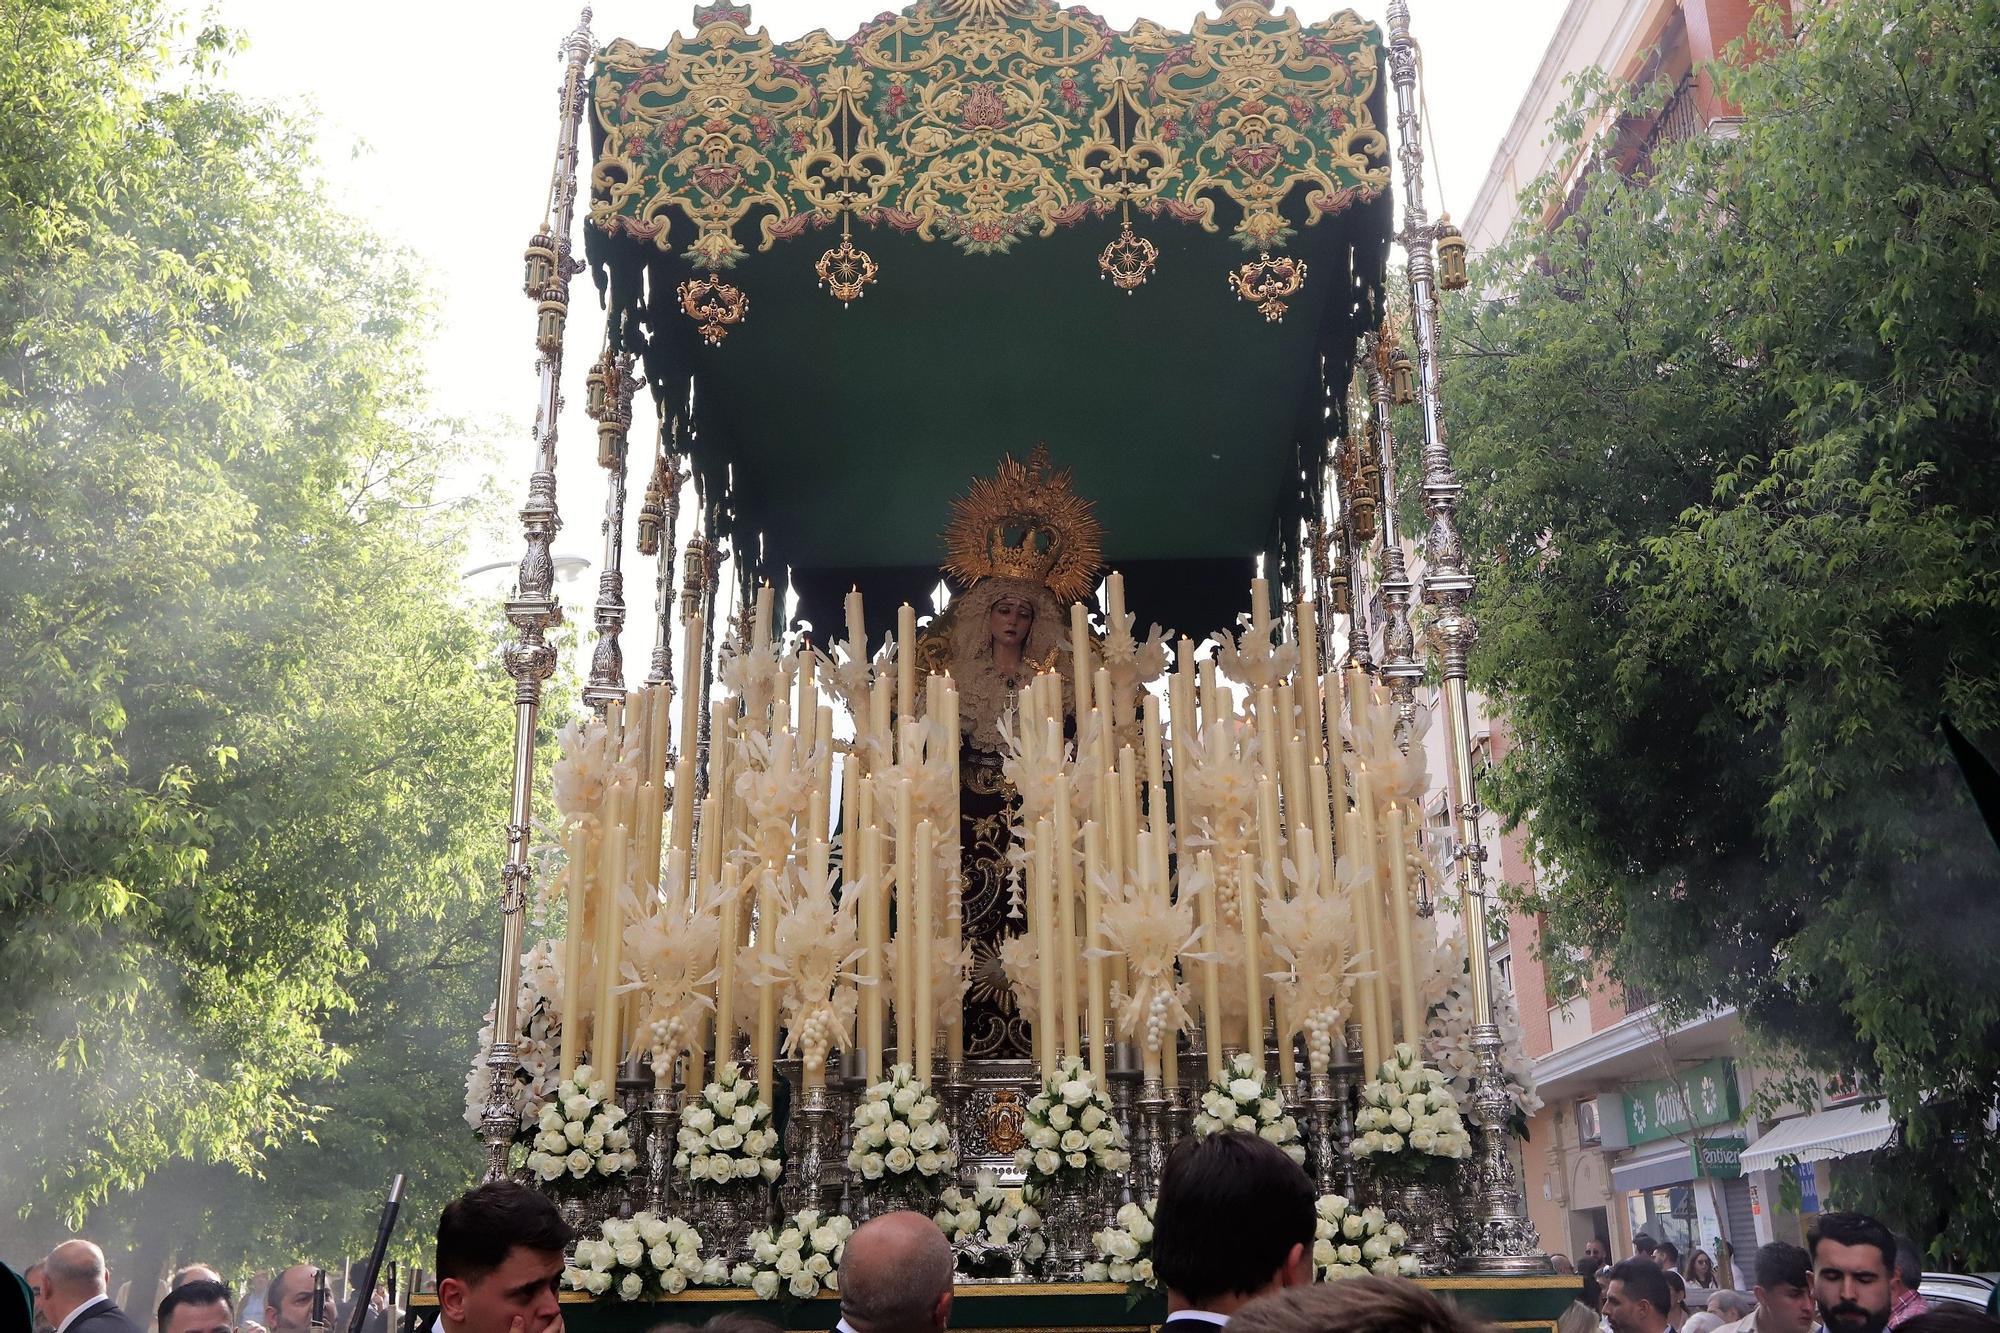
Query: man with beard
point(1852, 1258)
point(1636, 1299)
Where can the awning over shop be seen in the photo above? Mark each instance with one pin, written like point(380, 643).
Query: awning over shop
point(1822, 1135)
point(1653, 1169)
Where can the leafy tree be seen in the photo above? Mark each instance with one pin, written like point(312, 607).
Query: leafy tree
point(1728, 446)
point(253, 744)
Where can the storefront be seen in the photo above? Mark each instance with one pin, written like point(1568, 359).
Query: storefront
point(1680, 1179)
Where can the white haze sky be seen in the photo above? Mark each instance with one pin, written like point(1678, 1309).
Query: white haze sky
point(438, 126)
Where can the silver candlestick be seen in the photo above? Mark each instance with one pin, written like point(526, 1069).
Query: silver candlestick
point(1504, 1240)
point(533, 610)
point(663, 1127)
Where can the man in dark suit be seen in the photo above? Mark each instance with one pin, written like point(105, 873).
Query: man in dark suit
point(74, 1277)
point(1235, 1220)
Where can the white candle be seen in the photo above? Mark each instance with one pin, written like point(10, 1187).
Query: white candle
point(1095, 1008)
point(1260, 613)
point(1066, 912)
point(857, 631)
point(923, 1027)
point(1114, 588)
point(1045, 945)
point(906, 659)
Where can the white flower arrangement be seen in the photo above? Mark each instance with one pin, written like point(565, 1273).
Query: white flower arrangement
point(641, 1258)
point(1125, 1250)
point(1409, 1118)
point(727, 1135)
point(537, 1004)
point(581, 1134)
point(1354, 1242)
point(1247, 1099)
point(797, 1258)
point(991, 1216)
point(898, 1131)
point(1070, 1128)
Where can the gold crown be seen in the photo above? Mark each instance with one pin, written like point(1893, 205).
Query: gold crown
point(1024, 522)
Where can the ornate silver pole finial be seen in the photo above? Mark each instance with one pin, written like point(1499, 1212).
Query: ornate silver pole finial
point(1399, 665)
point(533, 609)
point(1504, 1239)
point(612, 385)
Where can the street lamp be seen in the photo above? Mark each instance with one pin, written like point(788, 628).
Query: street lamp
point(569, 568)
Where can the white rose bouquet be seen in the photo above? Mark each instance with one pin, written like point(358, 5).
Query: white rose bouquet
point(898, 1131)
point(1248, 1099)
point(642, 1257)
point(1070, 1128)
point(797, 1258)
point(1354, 1242)
point(581, 1135)
point(1409, 1124)
point(990, 1217)
point(727, 1134)
point(1125, 1251)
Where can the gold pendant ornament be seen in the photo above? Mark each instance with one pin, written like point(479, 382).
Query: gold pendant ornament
point(846, 270)
point(1129, 260)
point(1267, 280)
point(715, 305)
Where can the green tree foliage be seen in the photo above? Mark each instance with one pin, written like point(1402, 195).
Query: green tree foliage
point(1728, 442)
point(253, 746)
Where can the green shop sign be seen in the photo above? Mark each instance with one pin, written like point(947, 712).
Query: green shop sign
point(1718, 1159)
point(1694, 1099)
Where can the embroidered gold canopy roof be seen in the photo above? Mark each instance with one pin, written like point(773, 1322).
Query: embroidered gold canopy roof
point(972, 168)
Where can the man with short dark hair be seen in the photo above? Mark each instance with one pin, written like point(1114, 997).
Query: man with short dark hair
point(1643, 1244)
point(895, 1276)
point(1667, 1255)
point(1907, 1302)
point(1636, 1299)
point(1852, 1258)
point(499, 1261)
point(1596, 1254)
point(76, 1279)
point(1784, 1291)
point(1357, 1305)
point(1234, 1220)
point(199, 1305)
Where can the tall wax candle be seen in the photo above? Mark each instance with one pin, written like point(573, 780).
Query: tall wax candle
point(1156, 772)
point(923, 1027)
point(575, 1006)
point(906, 660)
point(1095, 1009)
point(766, 1046)
point(1209, 905)
point(1114, 591)
point(760, 630)
point(726, 960)
point(874, 933)
point(1378, 933)
point(1322, 809)
point(1079, 655)
point(1045, 944)
point(1308, 619)
point(1253, 965)
point(906, 923)
point(1065, 886)
point(857, 631)
point(606, 1050)
point(1260, 613)
point(1402, 922)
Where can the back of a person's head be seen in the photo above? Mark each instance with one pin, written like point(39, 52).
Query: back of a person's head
point(1642, 1280)
point(1670, 1252)
point(1644, 1244)
point(894, 1271)
point(1782, 1264)
point(75, 1267)
point(1578, 1318)
point(1354, 1305)
point(1677, 1285)
point(1731, 1305)
point(1853, 1229)
point(1231, 1207)
point(193, 1272)
point(740, 1323)
point(1909, 1262)
point(478, 1228)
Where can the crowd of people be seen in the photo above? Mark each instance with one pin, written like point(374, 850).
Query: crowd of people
point(1232, 1245)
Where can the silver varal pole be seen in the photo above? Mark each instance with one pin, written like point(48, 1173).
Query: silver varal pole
point(1399, 664)
point(533, 609)
point(1504, 1240)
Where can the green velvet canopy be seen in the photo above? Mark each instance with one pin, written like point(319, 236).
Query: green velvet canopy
point(979, 157)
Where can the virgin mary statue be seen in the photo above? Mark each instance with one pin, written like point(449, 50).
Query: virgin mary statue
point(1021, 548)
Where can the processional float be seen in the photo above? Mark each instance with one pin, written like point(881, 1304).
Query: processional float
point(979, 914)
